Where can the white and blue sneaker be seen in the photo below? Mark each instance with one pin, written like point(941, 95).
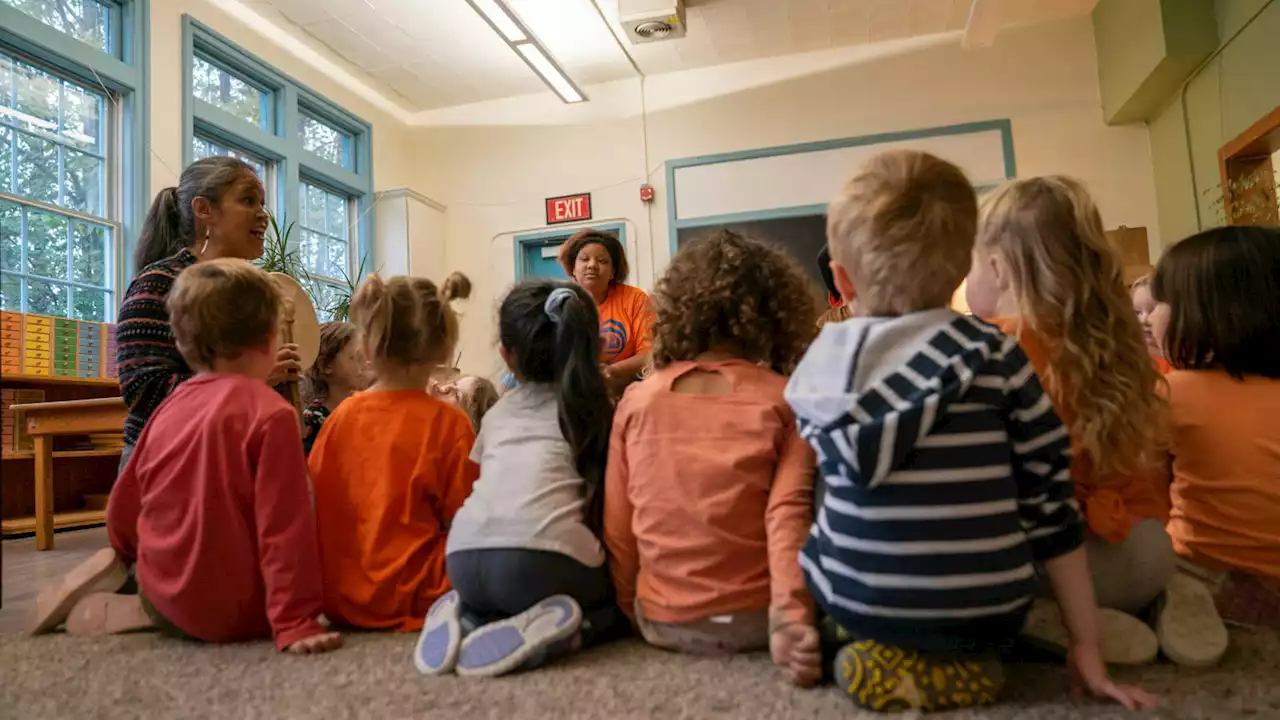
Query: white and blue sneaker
point(526, 639)
point(437, 650)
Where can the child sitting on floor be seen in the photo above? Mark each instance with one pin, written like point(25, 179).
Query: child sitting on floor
point(391, 467)
point(946, 470)
point(709, 491)
point(473, 394)
point(524, 552)
point(1143, 304)
point(339, 371)
point(1218, 319)
point(1044, 272)
point(212, 509)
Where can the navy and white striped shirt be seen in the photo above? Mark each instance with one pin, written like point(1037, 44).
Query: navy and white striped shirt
point(946, 478)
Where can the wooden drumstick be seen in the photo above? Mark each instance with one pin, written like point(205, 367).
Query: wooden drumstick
point(286, 338)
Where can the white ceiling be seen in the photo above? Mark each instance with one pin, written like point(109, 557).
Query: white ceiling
point(440, 53)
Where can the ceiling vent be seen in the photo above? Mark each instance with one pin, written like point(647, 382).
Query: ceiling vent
point(652, 20)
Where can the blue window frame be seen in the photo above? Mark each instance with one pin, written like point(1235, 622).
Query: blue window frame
point(73, 161)
point(316, 155)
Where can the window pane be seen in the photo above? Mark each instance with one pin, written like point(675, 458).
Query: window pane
point(88, 304)
point(337, 216)
point(6, 159)
point(325, 140)
point(311, 253)
point(202, 148)
point(36, 106)
point(46, 245)
point(89, 254)
point(315, 212)
point(337, 258)
point(10, 237)
point(326, 297)
point(46, 298)
point(10, 293)
point(82, 183)
point(82, 117)
point(37, 168)
point(84, 20)
point(219, 87)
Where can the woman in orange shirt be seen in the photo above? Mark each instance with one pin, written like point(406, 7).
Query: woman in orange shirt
point(391, 465)
point(596, 261)
point(1218, 319)
point(1045, 272)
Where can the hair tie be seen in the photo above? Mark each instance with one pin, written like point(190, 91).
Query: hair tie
point(554, 306)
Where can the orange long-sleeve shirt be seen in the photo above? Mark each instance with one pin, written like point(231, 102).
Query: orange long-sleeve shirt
point(709, 499)
point(1226, 471)
point(390, 470)
point(1111, 503)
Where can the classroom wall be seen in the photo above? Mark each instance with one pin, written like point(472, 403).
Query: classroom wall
point(393, 157)
point(492, 166)
point(1233, 91)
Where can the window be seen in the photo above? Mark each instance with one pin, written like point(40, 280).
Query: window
point(88, 21)
point(316, 154)
point(57, 243)
point(203, 148)
point(229, 92)
point(325, 140)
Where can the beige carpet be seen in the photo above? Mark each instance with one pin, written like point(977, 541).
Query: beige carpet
point(149, 677)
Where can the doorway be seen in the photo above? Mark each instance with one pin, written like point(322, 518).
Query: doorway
point(536, 253)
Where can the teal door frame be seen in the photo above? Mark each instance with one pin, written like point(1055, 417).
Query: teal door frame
point(524, 241)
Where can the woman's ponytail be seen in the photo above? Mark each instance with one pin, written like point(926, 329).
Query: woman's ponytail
point(162, 234)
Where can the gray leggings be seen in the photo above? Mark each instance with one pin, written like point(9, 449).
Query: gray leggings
point(1130, 574)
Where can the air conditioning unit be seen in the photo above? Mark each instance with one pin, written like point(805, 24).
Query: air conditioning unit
point(652, 20)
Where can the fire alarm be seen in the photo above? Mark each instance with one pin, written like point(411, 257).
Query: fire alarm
point(646, 193)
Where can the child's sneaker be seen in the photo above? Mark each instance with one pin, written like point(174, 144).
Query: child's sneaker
point(884, 678)
point(437, 649)
point(103, 613)
point(1190, 630)
point(1125, 639)
point(530, 637)
point(102, 572)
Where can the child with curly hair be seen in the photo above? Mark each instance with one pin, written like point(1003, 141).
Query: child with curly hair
point(708, 490)
point(339, 371)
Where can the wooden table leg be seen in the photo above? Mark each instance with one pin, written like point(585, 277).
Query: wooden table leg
point(44, 491)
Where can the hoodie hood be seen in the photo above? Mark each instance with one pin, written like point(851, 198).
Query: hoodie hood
point(869, 389)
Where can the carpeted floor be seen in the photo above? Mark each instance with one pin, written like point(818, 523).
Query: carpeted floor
point(146, 676)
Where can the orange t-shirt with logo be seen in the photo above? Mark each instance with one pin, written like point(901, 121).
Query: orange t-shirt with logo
point(626, 324)
point(1111, 503)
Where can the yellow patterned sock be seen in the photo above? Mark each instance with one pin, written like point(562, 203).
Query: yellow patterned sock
point(885, 678)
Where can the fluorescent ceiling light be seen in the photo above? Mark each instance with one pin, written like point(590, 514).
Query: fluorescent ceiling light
point(551, 75)
point(500, 18)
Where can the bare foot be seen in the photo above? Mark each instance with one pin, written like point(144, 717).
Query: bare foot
point(324, 642)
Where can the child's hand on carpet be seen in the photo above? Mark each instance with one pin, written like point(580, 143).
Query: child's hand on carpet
point(1089, 675)
point(324, 642)
point(796, 651)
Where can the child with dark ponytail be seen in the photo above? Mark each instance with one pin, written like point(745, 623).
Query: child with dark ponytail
point(525, 554)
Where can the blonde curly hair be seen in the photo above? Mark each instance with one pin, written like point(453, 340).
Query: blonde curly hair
point(1068, 282)
point(728, 291)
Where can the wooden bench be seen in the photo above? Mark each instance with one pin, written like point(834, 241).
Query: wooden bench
point(68, 417)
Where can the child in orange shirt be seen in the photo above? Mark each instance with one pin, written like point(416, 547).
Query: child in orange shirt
point(1044, 271)
point(391, 467)
point(1143, 304)
point(338, 372)
point(709, 487)
point(1218, 319)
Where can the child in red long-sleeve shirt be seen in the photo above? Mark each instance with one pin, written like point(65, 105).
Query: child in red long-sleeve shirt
point(213, 508)
point(391, 465)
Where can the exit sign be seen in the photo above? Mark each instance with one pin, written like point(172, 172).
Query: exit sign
point(568, 208)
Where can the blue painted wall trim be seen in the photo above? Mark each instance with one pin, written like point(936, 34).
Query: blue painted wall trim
point(279, 141)
point(524, 240)
point(125, 72)
point(675, 223)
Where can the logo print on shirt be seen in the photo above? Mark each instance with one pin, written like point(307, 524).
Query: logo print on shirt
point(613, 335)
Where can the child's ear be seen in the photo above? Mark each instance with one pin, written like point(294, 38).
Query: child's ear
point(843, 284)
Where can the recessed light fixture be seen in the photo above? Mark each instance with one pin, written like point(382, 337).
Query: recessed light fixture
point(508, 25)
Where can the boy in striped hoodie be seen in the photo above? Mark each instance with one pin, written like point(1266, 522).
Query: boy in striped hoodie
point(944, 467)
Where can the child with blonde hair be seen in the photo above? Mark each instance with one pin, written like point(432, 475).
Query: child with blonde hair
point(1044, 271)
point(944, 466)
point(1217, 318)
point(708, 494)
point(1143, 305)
point(339, 371)
point(473, 394)
point(392, 466)
point(212, 509)
point(525, 556)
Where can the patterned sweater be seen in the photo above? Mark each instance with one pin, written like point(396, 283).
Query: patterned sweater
point(147, 357)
